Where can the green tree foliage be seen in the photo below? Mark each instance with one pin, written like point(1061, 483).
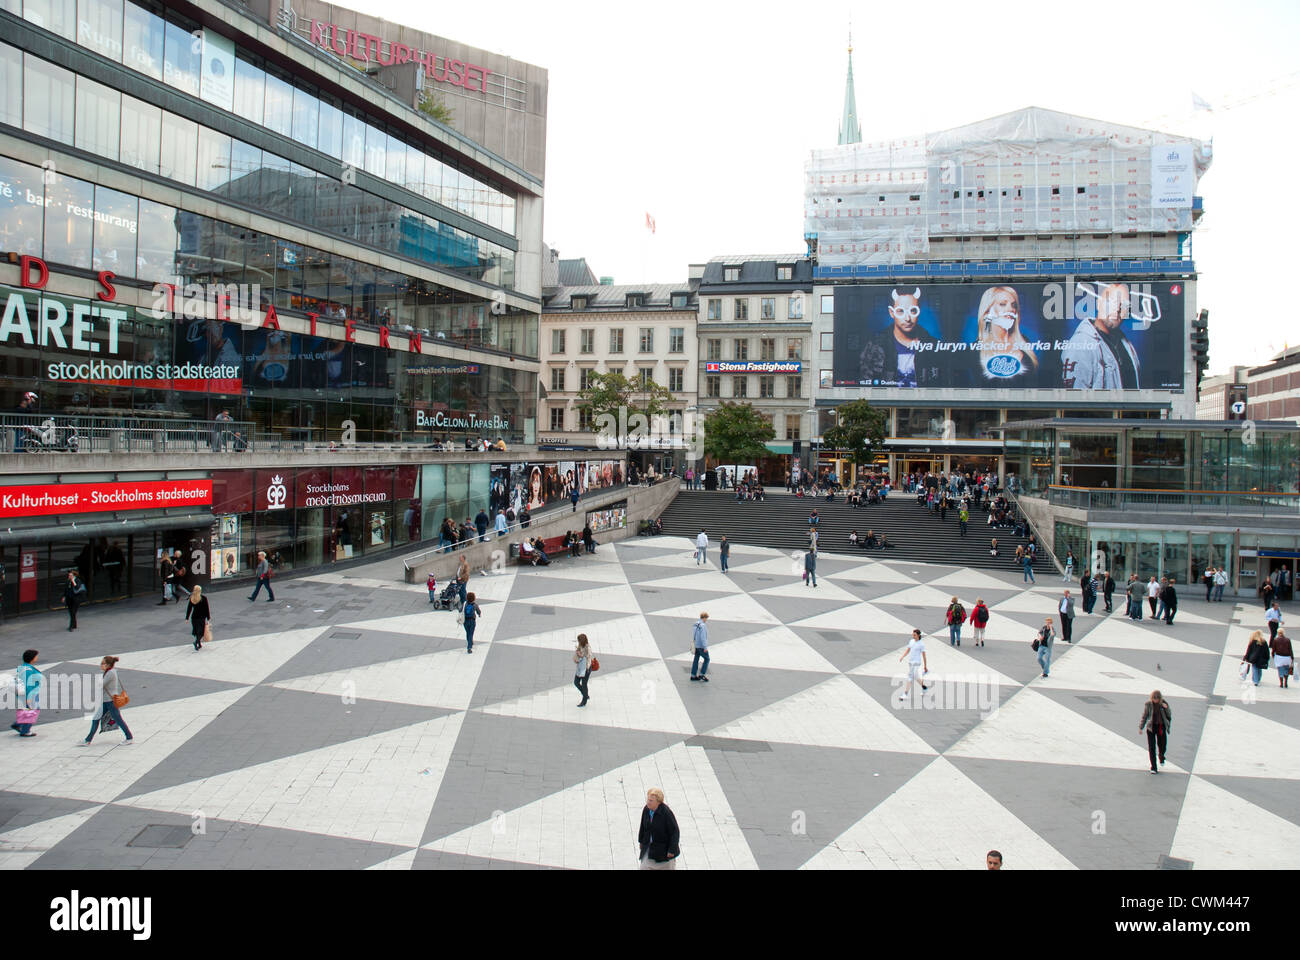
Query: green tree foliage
point(621, 408)
point(736, 433)
point(860, 431)
point(435, 107)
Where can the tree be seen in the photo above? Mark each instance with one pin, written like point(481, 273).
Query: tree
point(859, 432)
point(435, 107)
point(622, 408)
point(736, 433)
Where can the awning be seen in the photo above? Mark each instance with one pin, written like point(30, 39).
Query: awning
point(119, 527)
point(785, 448)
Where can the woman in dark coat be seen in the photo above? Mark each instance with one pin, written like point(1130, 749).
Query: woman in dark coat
point(199, 616)
point(659, 835)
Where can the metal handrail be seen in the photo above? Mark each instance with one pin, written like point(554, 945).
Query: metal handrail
point(1225, 503)
point(37, 432)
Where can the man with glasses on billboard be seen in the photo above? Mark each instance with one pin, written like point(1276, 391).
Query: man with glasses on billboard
point(1099, 356)
point(905, 355)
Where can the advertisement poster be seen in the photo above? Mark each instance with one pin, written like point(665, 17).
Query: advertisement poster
point(1082, 335)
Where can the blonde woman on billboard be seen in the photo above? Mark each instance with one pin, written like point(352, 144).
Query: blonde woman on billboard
point(1004, 354)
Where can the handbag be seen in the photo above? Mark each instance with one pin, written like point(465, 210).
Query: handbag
point(207, 632)
point(1245, 670)
point(27, 716)
point(595, 665)
point(1036, 644)
point(120, 700)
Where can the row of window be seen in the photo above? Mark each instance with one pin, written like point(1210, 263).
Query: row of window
point(644, 376)
point(766, 308)
point(52, 102)
point(766, 348)
point(633, 301)
point(75, 223)
point(784, 271)
point(766, 386)
point(177, 53)
point(646, 339)
point(585, 421)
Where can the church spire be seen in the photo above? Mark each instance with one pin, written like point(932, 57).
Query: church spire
point(850, 132)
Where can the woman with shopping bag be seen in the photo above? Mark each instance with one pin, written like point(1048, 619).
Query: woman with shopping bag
point(586, 662)
point(113, 700)
point(200, 618)
point(1255, 660)
point(27, 690)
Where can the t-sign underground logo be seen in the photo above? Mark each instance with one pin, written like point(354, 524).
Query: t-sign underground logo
point(276, 494)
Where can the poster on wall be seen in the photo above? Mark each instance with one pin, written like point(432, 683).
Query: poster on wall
point(1081, 335)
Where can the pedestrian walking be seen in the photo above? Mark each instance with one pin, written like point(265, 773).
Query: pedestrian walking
point(481, 524)
point(963, 518)
point(1220, 581)
point(165, 572)
point(917, 663)
point(263, 578)
point(1135, 592)
point(1066, 608)
point(700, 642)
point(1029, 568)
point(1108, 590)
point(724, 551)
point(1256, 657)
point(659, 835)
point(1274, 619)
point(199, 615)
point(1208, 577)
point(1266, 591)
point(1157, 719)
point(74, 591)
point(1088, 587)
point(502, 524)
point(690, 479)
point(701, 545)
point(1169, 600)
point(810, 567)
point(585, 664)
point(979, 619)
point(462, 577)
point(109, 713)
point(1043, 646)
point(27, 693)
point(955, 617)
point(432, 584)
point(1069, 566)
point(1282, 657)
point(1153, 594)
point(178, 578)
point(469, 615)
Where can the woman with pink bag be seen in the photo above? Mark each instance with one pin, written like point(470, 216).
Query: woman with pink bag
point(27, 687)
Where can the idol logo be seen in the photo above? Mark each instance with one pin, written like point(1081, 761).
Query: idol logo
point(276, 494)
point(1003, 365)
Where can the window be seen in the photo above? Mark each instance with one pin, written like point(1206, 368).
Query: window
point(740, 349)
point(767, 308)
point(584, 377)
point(250, 91)
point(142, 41)
point(741, 311)
point(99, 27)
point(740, 386)
point(557, 379)
point(587, 340)
point(180, 59)
point(791, 427)
point(57, 16)
point(785, 272)
point(647, 340)
point(713, 350)
point(635, 301)
point(68, 237)
point(577, 303)
point(828, 304)
point(828, 342)
point(679, 301)
point(585, 419)
point(99, 111)
point(11, 83)
point(616, 340)
point(49, 100)
point(713, 386)
point(767, 387)
point(557, 341)
point(794, 348)
point(795, 309)
point(677, 340)
point(306, 125)
point(767, 348)
point(180, 148)
point(557, 418)
point(731, 274)
point(676, 379)
point(645, 376)
point(715, 309)
point(116, 224)
point(794, 386)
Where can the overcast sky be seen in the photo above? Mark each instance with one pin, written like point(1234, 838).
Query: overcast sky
point(703, 113)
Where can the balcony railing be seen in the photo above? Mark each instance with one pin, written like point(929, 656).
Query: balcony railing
point(73, 434)
point(1187, 503)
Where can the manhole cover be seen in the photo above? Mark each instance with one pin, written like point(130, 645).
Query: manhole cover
point(1173, 863)
point(544, 611)
point(1094, 699)
point(161, 835)
point(1116, 676)
point(345, 635)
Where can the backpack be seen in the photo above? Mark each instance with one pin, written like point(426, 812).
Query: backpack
point(959, 614)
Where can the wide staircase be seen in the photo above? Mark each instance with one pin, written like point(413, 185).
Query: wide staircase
point(781, 521)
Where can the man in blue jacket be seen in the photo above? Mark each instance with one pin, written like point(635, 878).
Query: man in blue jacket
point(701, 648)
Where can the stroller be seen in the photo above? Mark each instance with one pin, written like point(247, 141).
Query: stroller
point(449, 598)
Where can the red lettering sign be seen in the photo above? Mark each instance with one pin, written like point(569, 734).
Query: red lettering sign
point(272, 319)
point(71, 498)
point(25, 264)
point(349, 331)
point(27, 578)
point(109, 293)
point(383, 338)
point(367, 48)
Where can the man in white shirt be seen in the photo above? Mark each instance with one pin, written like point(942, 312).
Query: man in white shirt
point(917, 666)
point(1153, 593)
point(701, 544)
point(1220, 581)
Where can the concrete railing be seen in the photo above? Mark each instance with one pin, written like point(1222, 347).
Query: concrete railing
point(643, 503)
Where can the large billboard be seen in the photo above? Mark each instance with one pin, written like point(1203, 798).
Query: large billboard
point(1080, 335)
